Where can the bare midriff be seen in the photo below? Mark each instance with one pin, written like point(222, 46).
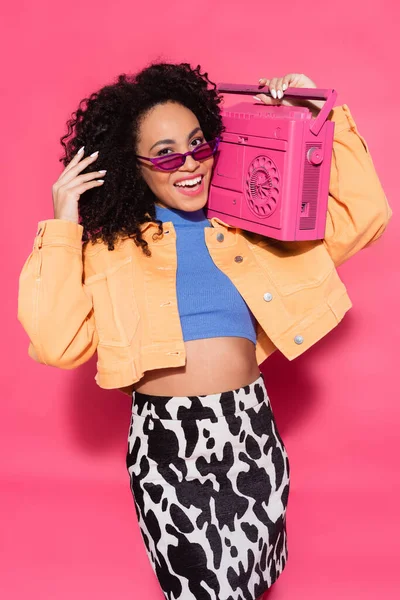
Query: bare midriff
point(212, 365)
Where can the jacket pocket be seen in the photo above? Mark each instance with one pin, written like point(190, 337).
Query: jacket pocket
point(116, 313)
point(293, 266)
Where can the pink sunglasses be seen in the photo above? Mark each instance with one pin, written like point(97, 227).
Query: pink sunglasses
point(172, 162)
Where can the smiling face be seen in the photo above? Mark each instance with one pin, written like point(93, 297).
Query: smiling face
point(169, 128)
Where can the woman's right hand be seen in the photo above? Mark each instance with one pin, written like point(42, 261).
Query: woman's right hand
point(70, 185)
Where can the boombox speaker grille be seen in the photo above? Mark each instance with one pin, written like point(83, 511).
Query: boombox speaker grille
point(262, 186)
point(310, 190)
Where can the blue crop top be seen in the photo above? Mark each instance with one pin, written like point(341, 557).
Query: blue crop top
point(209, 305)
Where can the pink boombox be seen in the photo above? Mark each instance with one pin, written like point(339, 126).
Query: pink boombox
point(272, 171)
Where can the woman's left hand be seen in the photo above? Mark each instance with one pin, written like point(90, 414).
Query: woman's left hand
point(278, 85)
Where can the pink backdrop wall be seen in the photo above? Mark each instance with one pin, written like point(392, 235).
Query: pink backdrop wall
point(68, 525)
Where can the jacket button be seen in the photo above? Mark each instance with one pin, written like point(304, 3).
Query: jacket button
point(220, 237)
point(299, 339)
point(267, 297)
point(238, 258)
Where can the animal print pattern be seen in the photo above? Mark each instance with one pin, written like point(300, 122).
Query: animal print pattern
point(210, 480)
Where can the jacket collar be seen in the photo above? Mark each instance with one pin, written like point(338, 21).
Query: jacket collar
point(215, 221)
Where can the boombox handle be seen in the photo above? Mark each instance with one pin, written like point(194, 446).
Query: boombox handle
point(309, 93)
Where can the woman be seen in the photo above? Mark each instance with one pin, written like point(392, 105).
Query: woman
point(182, 311)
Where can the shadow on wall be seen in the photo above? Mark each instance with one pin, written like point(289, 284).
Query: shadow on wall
point(293, 386)
point(100, 418)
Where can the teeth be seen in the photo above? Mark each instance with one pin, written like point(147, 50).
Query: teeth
point(189, 182)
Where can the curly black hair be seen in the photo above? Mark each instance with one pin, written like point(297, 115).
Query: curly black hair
point(108, 121)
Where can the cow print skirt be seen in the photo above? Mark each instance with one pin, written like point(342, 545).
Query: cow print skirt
point(210, 481)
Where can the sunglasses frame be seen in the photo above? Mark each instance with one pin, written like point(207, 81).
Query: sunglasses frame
point(155, 161)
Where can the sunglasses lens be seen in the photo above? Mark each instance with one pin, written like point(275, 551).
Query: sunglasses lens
point(205, 150)
point(170, 162)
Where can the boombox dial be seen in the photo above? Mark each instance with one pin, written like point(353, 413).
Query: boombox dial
point(315, 156)
point(262, 186)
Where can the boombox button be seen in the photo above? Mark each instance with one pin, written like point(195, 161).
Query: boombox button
point(267, 297)
point(220, 237)
point(238, 258)
point(315, 156)
point(299, 339)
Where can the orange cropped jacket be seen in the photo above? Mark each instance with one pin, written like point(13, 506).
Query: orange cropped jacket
point(75, 299)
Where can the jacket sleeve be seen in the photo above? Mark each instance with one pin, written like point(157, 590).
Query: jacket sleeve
point(54, 307)
point(358, 211)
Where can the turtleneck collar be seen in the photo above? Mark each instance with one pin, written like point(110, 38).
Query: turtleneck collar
point(182, 217)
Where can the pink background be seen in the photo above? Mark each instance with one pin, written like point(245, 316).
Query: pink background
point(68, 525)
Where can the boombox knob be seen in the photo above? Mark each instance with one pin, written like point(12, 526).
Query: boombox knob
point(315, 156)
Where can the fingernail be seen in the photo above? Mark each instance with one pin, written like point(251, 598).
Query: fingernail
point(100, 180)
point(284, 86)
point(94, 153)
point(273, 93)
point(260, 80)
point(280, 94)
point(81, 150)
point(255, 98)
point(103, 171)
